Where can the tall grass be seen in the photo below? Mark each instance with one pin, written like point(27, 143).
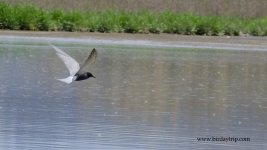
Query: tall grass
point(29, 17)
point(241, 8)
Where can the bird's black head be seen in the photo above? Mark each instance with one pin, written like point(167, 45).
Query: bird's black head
point(89, 75)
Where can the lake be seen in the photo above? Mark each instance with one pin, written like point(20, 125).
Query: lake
point(143, 97)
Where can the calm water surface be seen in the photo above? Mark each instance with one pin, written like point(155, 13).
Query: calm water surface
point(142, 98)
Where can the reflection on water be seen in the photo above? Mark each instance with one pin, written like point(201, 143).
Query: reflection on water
point(141, 98)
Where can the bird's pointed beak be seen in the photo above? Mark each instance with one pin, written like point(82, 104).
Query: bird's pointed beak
point(93, 76)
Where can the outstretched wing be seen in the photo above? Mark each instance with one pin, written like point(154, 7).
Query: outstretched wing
point(91, 59)
point(72, 65)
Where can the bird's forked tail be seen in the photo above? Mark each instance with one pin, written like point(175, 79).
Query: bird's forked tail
point(67, 80)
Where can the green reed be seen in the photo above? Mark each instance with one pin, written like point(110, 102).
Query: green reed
point(29, 17)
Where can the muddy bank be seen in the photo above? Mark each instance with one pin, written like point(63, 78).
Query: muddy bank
point(154, 40)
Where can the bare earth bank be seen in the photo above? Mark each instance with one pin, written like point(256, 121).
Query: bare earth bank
point(158, 40)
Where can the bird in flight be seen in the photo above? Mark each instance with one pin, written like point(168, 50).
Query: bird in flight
point(76, 71)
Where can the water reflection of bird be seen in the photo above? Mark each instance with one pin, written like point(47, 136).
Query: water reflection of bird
point(76, 72)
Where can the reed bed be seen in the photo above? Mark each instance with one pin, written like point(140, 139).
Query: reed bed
point(33, 18)
point(241, 8)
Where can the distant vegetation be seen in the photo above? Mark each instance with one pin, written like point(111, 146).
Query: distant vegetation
point(29, 17)
point(240, 8)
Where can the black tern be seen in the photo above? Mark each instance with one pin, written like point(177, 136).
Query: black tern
point(76, 72)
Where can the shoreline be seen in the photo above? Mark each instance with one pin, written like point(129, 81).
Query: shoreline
point(154, 40)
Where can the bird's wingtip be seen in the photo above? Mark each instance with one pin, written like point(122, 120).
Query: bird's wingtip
point(51, 45)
